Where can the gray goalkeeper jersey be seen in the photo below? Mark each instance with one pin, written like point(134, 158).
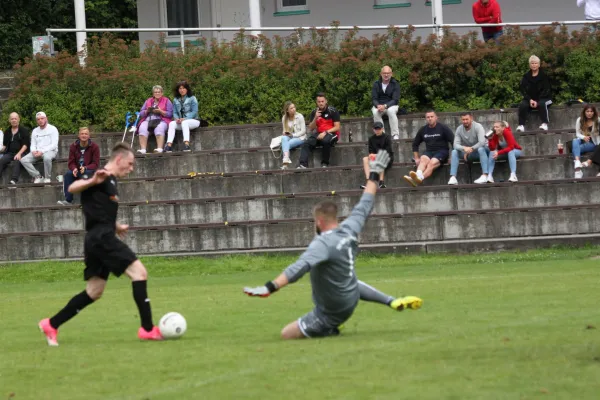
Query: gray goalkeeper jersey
point(330, 259)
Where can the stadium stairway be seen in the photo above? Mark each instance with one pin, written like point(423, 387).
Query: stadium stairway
point(237, 200)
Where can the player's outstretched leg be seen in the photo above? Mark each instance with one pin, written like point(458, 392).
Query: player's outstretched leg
point(369, 293)
point(49, 326)
point(139, 277)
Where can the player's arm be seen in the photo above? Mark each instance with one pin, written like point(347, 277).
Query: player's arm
point(83, 184)
point(315, 254)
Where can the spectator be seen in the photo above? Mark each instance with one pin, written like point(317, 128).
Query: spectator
point(488, 12)
point(84, 159)
point(15, 144)
point(502, 145)
point(536, 91)
point(294, 131)
point(469, 144)
point(436, 136)
point(591, 10)
point(156, 114)
point(185, 113)
point(586, 130)
point(379, 141)
point(325, 125)
point(385, 95)
point(44, 146)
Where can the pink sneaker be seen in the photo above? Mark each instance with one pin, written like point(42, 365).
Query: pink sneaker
point(154, 334)
point(49, 332)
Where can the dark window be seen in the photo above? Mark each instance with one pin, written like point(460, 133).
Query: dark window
point(182, 14)
point(293, 3)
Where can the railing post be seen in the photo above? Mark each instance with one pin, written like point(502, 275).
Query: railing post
point(181, 38)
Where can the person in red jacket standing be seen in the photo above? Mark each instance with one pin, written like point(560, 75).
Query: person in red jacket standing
point(502, 144)
point(488, 12)
point(84, 160)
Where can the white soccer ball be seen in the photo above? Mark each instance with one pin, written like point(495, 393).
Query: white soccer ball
point(172, 325)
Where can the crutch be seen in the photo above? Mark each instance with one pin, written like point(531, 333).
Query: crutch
point(127, 118)
point(133, 129)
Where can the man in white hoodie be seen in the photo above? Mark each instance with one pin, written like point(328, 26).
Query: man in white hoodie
point(592, 9)
point(44, 146)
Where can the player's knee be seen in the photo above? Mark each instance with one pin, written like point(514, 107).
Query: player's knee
point(286, 334)
point(95, 292)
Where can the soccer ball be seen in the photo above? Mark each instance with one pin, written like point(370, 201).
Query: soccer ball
point(172, 325)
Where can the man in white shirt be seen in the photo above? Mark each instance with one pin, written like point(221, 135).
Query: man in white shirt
point(44, 146)
point(592, 9)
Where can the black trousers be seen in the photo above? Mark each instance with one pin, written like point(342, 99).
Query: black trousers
point(16, 167)
point(542, 108)
point(309, 146)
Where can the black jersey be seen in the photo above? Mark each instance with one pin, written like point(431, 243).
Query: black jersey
point(101, 204)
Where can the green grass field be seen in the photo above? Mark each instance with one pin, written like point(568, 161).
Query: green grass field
point(501, 326)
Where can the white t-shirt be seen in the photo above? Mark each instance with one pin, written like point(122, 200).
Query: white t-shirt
point(384, 86)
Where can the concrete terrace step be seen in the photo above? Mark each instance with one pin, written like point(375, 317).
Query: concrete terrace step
point(422, 200)
point(278, 181)
point(380, 229)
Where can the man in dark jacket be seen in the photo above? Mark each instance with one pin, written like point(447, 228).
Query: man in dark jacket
point(537, 93)
point(84, 160)
point(385, 95)
point(14, 146)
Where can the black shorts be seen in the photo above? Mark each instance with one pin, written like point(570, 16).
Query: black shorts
point(441, 155)
point(105, 253)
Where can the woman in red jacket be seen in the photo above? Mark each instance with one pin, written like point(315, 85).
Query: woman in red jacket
point(502, 145)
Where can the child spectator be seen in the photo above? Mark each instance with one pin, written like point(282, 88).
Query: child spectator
point(379, 141)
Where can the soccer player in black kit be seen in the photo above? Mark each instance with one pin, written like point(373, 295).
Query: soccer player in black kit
point(103, 251)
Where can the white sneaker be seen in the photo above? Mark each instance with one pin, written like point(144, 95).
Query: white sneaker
point(47, 180)
point(481, 179)
point(520, 128)
point(452, 181)
point(578, 174)
point(577, 164)
point(142, 151)
point(490, 179)
point(585, 164)
point(39, 179)
point(396, 137)
point(544, 127)
point(158, 150)
point(286, 160)
point(513, 178)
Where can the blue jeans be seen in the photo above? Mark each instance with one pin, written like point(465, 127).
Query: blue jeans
point(580, 146)
point(512, 161)
point(288, 143)
point(492, 35)
point(68, 179)
point(481, 154)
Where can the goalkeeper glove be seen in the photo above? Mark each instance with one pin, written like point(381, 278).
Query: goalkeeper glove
point(262, 291)
point(378, 164)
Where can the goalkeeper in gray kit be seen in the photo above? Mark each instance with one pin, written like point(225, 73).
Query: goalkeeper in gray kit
point(330, 259)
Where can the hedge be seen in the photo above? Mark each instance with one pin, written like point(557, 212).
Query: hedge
point(234, 84)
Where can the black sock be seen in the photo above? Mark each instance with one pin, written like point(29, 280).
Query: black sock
point(140, 295)
point(76, 304)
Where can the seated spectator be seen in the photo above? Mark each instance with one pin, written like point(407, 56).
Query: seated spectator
point(44, 146)
point(384, 96)
point(537, 93)
point(502, 145)
point(294, 131)
point(437, 137)
point(84, 160)
point(325, 125)
point(185, 114)
point(469, 144)
point(379, 141)
point(586, 130)
point(15, 145)
point(156, 114)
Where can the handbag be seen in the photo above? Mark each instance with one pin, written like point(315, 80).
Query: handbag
point(275, 145)
point(153, 123)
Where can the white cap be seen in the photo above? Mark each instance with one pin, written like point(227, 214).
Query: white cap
point(40, 114)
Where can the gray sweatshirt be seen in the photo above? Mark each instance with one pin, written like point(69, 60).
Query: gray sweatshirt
point(474, 137)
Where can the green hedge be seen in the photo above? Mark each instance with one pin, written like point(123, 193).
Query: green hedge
point(234, 85)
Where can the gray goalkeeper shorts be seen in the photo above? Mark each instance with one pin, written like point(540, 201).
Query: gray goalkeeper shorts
point(318, 324)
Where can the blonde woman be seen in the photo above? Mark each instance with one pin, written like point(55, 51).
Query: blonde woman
point(502, 144)
point(586, 130)
point(294, 131)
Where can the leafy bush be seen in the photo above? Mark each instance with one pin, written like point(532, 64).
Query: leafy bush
point(248, 79)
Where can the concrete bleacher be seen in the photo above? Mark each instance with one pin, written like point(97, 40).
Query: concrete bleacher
point(237, 180)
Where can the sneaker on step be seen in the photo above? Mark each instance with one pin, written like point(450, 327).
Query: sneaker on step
point(409, 180)
point(47, 180)
point(154, 334)
point(168, 149)
point(585, 164)
point(64, 203)
point(141, 151)
point(402, 303)
point(363, 186)
point(300, 167)
point(13, 182)
point(396, 137)
point(513, 178)
point(520, 128)
point(578, 174)
point(324, 165)
point(452, 181)
point(490, 179)
point(417, 177)
point(382, 185)
point(481, 179)
point(286, 160)
point(158, 150)
point(544, 127)
point(48, 331)
point(186, 147)
point(39, 179)
point(578, 164)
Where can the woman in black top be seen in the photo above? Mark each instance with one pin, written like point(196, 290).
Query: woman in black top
point(537, 93)
point(379, 141)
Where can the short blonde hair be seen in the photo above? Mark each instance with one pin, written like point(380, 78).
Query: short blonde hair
point(534, 58)
point(84, 128)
